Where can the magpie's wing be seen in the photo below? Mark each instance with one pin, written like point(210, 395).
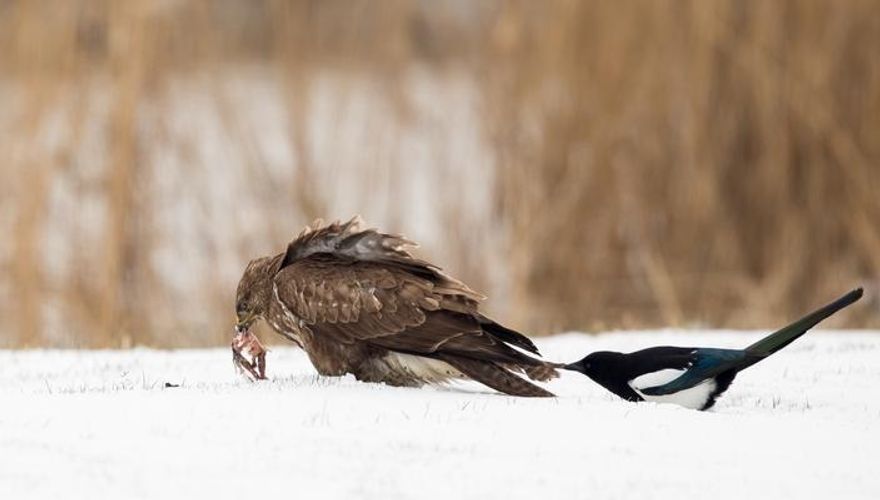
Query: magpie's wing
point(655, 359)
point(707, 363)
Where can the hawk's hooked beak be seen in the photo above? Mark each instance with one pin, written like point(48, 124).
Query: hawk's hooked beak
point(244, 325)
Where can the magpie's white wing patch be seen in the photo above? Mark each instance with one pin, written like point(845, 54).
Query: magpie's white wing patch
point(654, 379)
point(694, 398)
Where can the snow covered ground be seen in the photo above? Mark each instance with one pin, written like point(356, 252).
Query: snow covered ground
point(102, 424)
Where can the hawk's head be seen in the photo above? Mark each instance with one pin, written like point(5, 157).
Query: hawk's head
point(252, 296)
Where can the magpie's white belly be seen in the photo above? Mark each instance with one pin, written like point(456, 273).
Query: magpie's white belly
point(694, 398)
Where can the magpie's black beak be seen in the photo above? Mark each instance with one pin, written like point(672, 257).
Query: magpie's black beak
point(576, 366)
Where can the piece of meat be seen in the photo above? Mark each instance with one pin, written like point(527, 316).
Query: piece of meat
point(249, 355)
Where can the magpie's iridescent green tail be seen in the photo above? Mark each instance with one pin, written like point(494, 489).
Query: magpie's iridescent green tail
point(784, 336)
point(692, 377)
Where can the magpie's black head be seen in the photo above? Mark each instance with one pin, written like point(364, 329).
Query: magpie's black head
point(598, 365)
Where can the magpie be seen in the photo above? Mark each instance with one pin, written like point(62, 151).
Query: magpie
point(692, 377)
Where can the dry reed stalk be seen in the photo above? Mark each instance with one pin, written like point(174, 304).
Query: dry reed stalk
point(654, 163)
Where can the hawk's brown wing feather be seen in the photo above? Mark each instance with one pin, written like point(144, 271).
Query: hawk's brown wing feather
point(351, 300)
point(383, 264)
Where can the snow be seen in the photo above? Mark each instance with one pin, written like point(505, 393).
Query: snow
point(102, 424)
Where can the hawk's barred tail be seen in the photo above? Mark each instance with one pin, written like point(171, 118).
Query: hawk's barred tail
point(781, 338)
point(544, 372)
point(496, 377)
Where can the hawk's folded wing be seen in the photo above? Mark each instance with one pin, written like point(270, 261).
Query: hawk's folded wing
point(388, 305)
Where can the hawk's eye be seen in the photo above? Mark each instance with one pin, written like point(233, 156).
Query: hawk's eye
point(240, 309)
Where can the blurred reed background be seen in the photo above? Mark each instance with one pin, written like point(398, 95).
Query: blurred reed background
point(588, 165)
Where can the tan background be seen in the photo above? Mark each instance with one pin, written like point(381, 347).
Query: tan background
point(587, 165)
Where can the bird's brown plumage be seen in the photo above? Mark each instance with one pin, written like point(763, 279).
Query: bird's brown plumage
point(358, 302)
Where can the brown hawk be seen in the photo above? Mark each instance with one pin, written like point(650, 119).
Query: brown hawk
point(358, 302)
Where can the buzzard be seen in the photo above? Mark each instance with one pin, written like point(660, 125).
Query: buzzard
point(356, 301)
